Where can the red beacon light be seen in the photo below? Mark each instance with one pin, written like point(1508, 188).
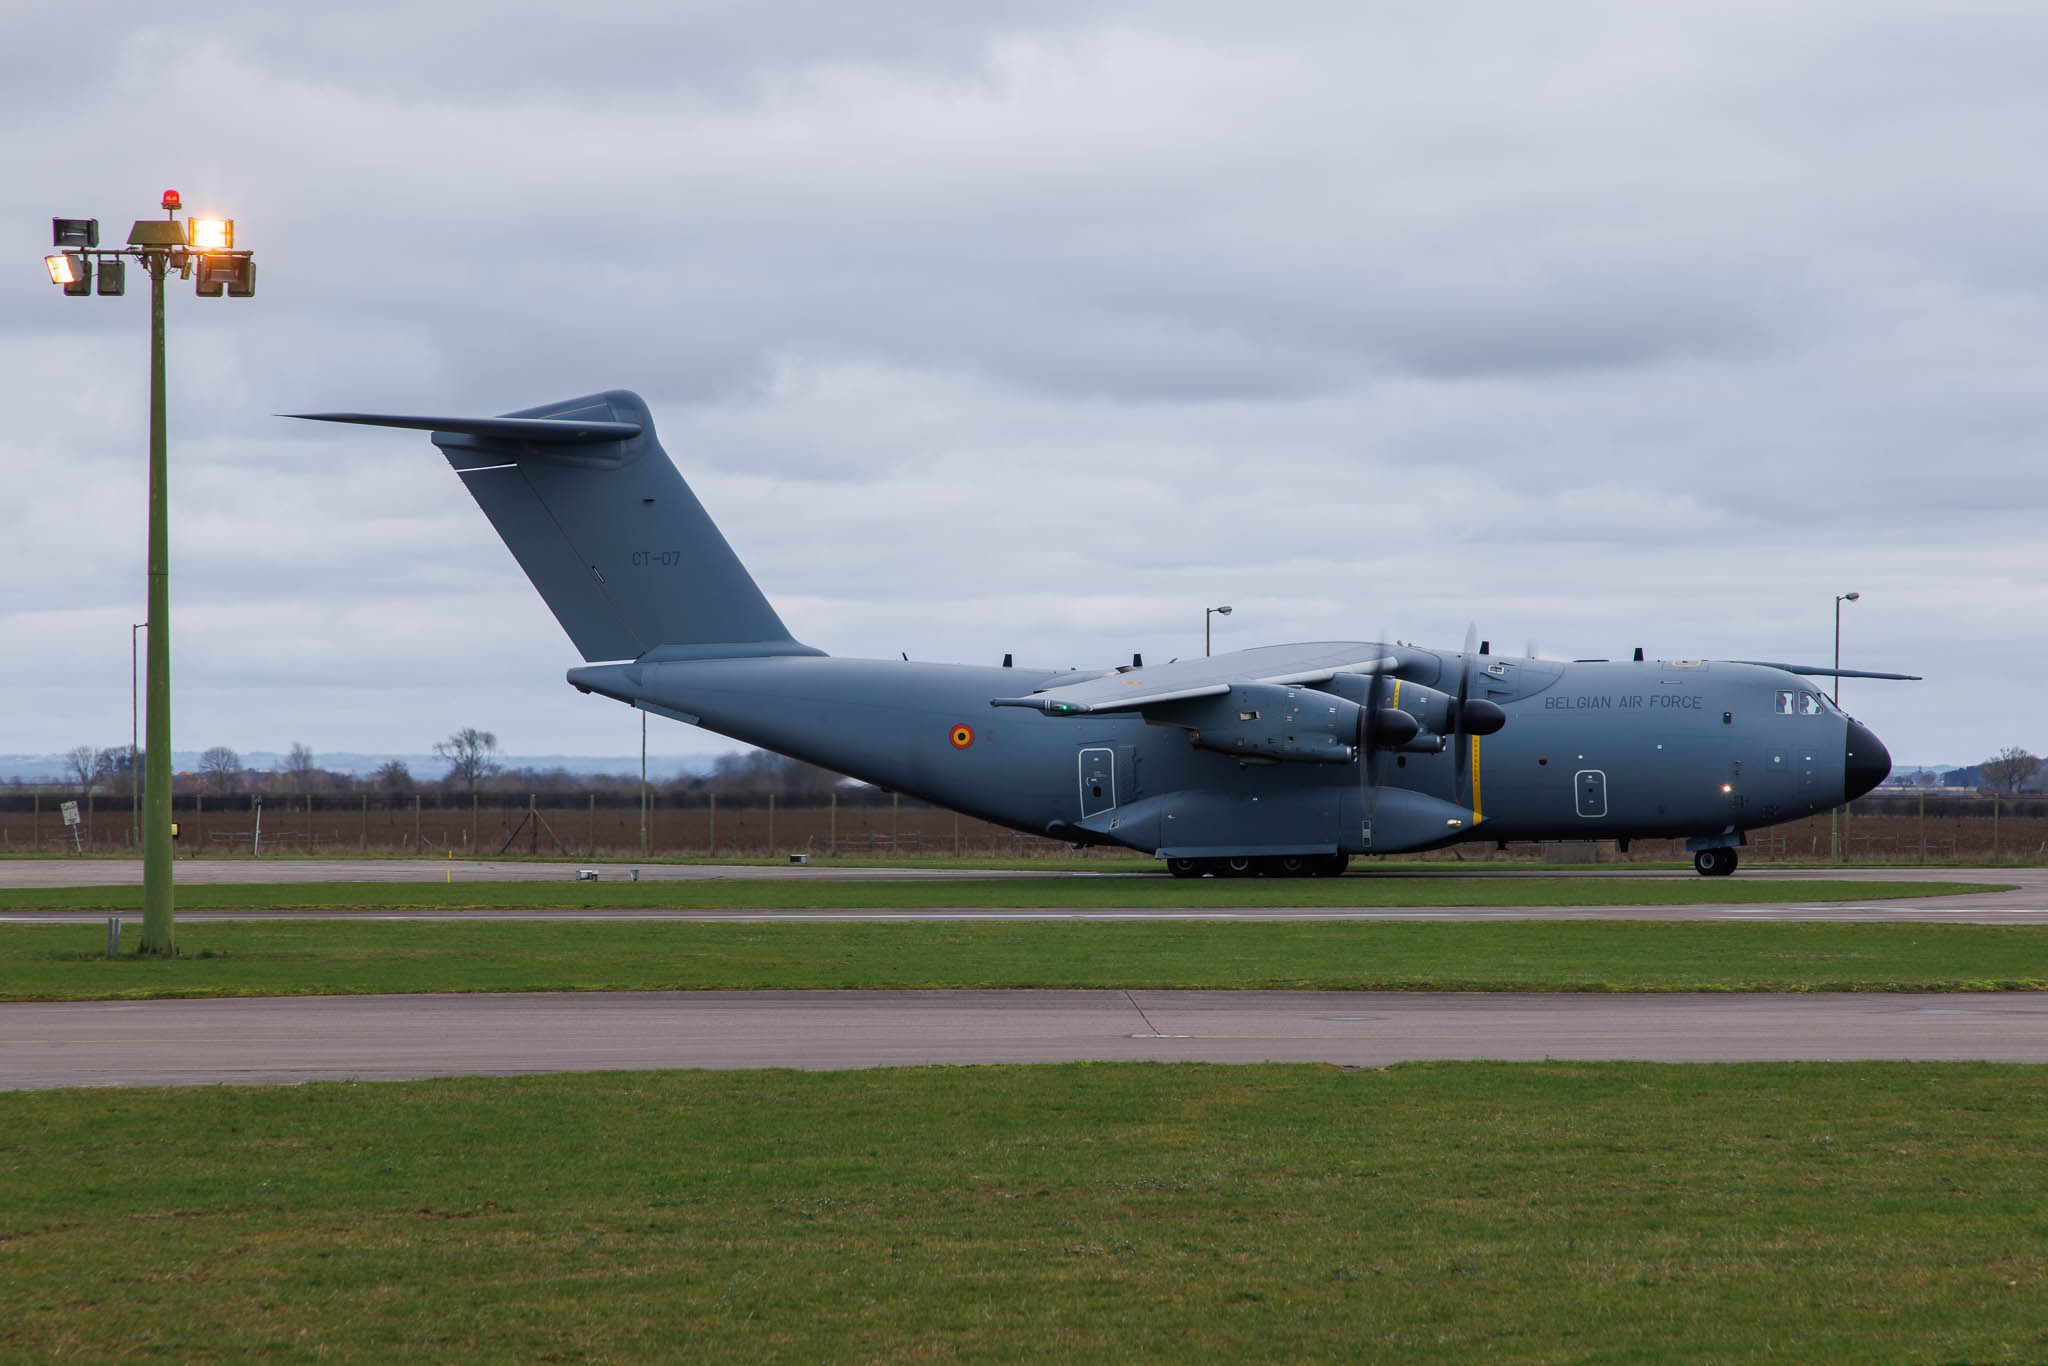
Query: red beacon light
point(171, 200)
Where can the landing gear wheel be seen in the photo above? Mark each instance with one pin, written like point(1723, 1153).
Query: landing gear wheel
point(1237, 867)
point(1184, 867)
point(1714, 862)
point(1331, 865)
point(1288, 865)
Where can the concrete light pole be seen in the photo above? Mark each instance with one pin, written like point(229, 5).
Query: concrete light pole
point(207, 246)
point(134, 741)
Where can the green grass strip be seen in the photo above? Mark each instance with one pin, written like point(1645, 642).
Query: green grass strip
point(991, 893)
point(65, 962)
point(1130, 1212)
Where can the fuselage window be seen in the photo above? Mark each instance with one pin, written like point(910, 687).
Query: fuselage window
point(1809, 705)
point(1784, 704)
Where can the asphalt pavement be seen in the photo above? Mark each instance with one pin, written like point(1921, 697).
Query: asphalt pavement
point(295, 1039)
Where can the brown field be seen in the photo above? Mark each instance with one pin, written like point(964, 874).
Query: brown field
point(1878, 829)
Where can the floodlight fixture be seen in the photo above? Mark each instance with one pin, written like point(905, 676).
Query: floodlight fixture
point(113, 276)
point(74, 232)
point(210, 234)
point(71, 269)
point(232, 275)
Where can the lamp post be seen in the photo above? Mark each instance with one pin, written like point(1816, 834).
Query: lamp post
point(1209, 613)
point(1834, 817)
point(204, 246)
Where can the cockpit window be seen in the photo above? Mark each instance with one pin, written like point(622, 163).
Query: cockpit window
point(1809, 705)
point(1784, 704)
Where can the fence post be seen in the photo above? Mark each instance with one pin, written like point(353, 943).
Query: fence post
point(364, 843)
point(895, 808)
point(711, 843)
point(832, 828)
point(1923, 827)
point(416, 847)
point(472, 818)
point(590, 827)
point(199, 822)
point(771, 825)
point(1994, 827)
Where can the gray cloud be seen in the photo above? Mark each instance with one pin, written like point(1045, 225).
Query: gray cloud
point(1036, 327)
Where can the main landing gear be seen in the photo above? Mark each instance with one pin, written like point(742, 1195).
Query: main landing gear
point(1714, 862)
point(1275, 865)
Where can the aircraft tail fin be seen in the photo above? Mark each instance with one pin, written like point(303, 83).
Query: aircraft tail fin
point(594, 511)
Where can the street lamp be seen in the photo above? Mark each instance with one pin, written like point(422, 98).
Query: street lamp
point(1840, 598)
point(1835, 816)
point(1207, 614)
point(160, 248)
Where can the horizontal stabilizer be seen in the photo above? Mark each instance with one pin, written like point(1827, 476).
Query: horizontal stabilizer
point(546, 430)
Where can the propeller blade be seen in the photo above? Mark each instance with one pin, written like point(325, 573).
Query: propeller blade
point(1371, 746)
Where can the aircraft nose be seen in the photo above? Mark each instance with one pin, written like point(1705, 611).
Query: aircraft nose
point(1865, 762)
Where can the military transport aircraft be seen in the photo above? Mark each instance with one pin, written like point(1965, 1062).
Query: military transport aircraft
point(1284, 760)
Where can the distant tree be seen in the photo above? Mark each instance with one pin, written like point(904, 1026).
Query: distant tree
point(80, 768)
point(759, 774)
point(221, 768)
point(2010, 769)
point(469, 753)
point(298, 766)
point(393, 776)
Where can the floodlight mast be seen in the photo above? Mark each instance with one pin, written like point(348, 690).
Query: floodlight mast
point(160, 248)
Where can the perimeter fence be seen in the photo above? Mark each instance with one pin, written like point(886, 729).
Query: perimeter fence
point(1888, 826)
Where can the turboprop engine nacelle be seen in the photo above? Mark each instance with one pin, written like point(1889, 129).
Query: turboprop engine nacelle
point(1414, 719)
point(1269, 722)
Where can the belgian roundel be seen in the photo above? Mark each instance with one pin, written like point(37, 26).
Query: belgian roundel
point(962, 736)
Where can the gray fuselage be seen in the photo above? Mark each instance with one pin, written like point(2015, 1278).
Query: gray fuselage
point(1591, 750)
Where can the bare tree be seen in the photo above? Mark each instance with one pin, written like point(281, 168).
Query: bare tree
point(222, 768)
point(78, 767)
point(297, 766)
point(469, 754)
point(393, 776)
point(2011, 769)
point(88, 769)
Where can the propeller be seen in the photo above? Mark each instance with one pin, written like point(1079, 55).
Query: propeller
point(1470, 717)
point(1380, 727)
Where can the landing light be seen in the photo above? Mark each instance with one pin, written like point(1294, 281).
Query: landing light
point(1727, 787)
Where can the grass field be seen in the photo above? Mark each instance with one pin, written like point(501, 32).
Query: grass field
point(1440, 1212)
point(65, 962)
point(990, 894)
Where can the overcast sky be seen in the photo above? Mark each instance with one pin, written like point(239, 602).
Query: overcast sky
point(1038, 327)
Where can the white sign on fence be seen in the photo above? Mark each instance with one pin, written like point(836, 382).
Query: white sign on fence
point(70, 810)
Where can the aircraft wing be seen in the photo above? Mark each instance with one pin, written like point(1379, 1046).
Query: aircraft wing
point(1826, 671)
point(1135, 689)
